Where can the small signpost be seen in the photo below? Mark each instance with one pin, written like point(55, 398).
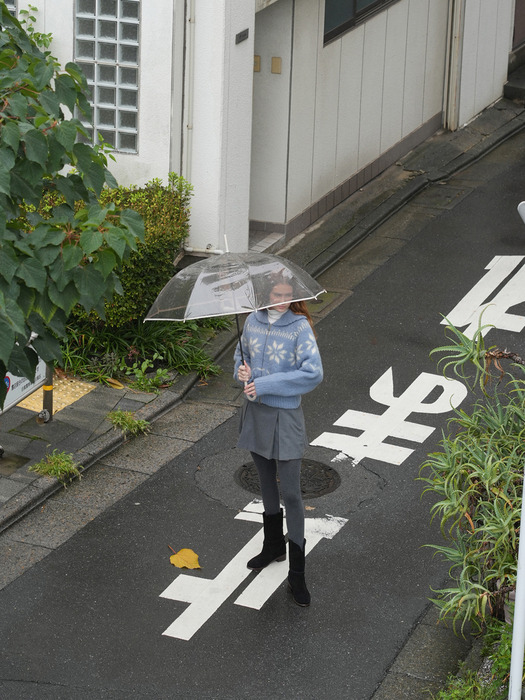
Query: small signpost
point(18, 388)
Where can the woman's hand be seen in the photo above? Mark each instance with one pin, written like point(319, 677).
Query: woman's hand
point(244, 373)
point(249, 390)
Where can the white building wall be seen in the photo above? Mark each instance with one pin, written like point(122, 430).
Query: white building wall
point(273, 38)
point(487, 41)
point(352, 100)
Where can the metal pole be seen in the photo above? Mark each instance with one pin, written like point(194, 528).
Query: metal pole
point(518, 621)
point(47, 404)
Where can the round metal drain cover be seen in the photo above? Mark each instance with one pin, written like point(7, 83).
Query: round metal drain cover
point(316, 479)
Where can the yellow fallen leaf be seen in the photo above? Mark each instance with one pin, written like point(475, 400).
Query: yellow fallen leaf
point(185, 559)
point(309, 507)
point(114, 383)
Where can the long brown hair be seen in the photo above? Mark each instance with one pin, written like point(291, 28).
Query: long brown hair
point(300, 308)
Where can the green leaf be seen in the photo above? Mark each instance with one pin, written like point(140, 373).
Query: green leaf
point(8, 262)
point(58, 273)
point(91, 240)
point(42, 74)
point(48, 348)
point(50, 103)
point(26, 299)
point(20, 189)
point(90, 285)
point(66, 133)
point(134, 222)
point(31, 172)
point(10, 136)
point(77, 75)
point(105, 262)
point(44, 307)
point(82, 154)
point(95, 177)
point(66, 187)
point(5, 178)
point(115, 239)
point(14, 316)
point(23, 362)
point(47, 254)
point(66, 90)
point(95, 215)
point(110, 180)
point(36, 146)
point(57, 153)
point(7, 341)
point(33, 274)
point(17, 105)
point(65, 298)
point(71, 255)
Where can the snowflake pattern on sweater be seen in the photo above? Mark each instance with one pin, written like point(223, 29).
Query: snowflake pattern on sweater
point(283, 356)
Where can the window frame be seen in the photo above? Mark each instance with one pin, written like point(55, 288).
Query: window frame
point(12, 6)
point(111, 112)
point(358, 17)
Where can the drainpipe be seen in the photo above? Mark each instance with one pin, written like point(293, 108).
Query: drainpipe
point(456, 22)
point(190, 58)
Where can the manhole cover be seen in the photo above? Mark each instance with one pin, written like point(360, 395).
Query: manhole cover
point(316, 479)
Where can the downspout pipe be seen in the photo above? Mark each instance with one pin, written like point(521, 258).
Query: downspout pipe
point(456, 25)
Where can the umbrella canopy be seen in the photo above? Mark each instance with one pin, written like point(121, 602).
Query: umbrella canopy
point(232, 283)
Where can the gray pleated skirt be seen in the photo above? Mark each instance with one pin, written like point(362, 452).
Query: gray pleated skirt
point(273, 433)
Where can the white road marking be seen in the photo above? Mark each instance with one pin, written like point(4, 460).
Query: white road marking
point(467, 312)
point(393, 422)
point(205, 596)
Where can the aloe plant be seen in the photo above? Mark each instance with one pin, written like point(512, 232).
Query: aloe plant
point(477, 479)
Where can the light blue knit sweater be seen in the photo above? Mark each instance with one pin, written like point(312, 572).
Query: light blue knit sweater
point(283, 356)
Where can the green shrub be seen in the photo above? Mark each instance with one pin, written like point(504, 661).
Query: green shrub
point(478, 480)
point(104, 353)
point(165, 211)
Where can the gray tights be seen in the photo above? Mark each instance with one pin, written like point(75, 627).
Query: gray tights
point(290, 483)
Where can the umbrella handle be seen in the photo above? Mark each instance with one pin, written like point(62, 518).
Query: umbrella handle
point(250, 398)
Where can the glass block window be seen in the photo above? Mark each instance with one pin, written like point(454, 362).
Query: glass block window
point(107, 34)
point(11, 6)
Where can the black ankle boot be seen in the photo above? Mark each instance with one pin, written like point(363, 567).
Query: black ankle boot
point(296, 580)
point(274, 546)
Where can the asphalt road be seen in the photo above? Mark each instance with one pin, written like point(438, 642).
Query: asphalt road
point(89, 620)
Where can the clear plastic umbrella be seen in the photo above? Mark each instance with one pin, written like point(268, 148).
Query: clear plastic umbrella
point(229, 284)
point(232, 283)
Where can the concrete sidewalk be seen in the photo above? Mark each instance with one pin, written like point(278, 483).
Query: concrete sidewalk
point(82, 427)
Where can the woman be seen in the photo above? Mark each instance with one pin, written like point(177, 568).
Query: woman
point(281, 362)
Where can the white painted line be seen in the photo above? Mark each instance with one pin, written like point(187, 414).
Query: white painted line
point(217, 591)
point(205, 596)
point(270, 578)
point(186, 588)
